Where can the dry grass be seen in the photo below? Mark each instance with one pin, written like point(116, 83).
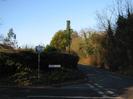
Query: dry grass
point(7, 50)
point(90, 60)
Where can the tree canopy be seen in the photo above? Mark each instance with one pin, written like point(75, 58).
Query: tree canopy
point(60, 40)
point(10, 40)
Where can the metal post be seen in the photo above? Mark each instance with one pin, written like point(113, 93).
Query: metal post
point(38, 66)
point(39, 49)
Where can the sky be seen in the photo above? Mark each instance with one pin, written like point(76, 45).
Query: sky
point(36, 21)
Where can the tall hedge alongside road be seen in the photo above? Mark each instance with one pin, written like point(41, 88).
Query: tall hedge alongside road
point(9, 62)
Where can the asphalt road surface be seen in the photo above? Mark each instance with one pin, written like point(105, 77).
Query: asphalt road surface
point(98, 84)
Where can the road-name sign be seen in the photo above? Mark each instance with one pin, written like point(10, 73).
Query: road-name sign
point(39, 49)
point(54, 66)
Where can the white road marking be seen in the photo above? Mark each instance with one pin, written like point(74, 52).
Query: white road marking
point(110, 92)
point(91, 86)
point(98, 89)
point(107, 91)
point(72, 97)
point(98, 85)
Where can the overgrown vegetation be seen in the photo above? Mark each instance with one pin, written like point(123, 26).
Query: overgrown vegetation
point(120, 40)
point(109, 49)
point(20, 66)
point(113, 48)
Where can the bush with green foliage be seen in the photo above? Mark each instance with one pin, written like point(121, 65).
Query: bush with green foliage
point(23, 76)
point(60, 40)
point(50, 48)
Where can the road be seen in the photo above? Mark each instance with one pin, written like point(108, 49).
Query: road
point(109, 84)
point(98, 84)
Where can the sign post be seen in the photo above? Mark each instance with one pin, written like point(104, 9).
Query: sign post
point(38, 74)
point(39, 49)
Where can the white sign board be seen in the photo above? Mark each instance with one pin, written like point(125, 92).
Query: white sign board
point(54, 66)
point(39, 49)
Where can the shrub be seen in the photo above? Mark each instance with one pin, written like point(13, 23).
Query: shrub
point(22, 77)
point(7, 65)
point(49, 48)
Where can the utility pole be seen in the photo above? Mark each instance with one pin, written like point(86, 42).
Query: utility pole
point(68, 29)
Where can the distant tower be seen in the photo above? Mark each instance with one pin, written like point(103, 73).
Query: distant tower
point(68, 29)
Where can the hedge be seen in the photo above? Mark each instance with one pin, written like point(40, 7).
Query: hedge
point(9, 62)
point(65, 60)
